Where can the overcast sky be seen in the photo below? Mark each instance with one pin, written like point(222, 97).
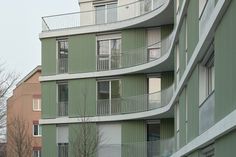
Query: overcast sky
point(20, 25)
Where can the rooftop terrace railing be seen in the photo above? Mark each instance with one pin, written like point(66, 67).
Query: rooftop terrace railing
point(134, 104)
point(109, 13)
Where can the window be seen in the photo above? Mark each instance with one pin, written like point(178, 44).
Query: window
point(36, 104)
point(37, 130)
point(36, 153)
point(63, 99)
point(62, 56)
point(62, 141)
point(106, 13)
point(154, 43)
point(148, 5)
point(210, 70)
point(108, 94)
point(108, 52)
point(154, 94)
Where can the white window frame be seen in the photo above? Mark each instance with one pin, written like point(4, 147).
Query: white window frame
point(106, 8)
point(37, 102)
point(57, 52)
point(38, 153)
point(108, 37)
point(39, 130)
point(110, 80)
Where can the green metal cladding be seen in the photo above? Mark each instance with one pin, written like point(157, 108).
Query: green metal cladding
point(192, 94)
point(82, 53)
point(182, 117)
point(82, 97)
point(49, 99)
point(134, 132)
point(225, 64)
point(192, 26)
point(49, 148)
point(225, 146)
point(49, 56)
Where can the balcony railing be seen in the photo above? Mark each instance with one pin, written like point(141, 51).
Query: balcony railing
point(107, 15)
point(207, 113)
point(133, 104)
point(134, 57)
point(160, 148)
point(62, 109)
point(63, 65)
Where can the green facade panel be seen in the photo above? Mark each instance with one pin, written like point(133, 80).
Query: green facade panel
point(192, 26)
point(182, 117)
point(225, 76)
point(134, 43)
point(49, 99)
point(194, 154)
point(167, 128)
point(48, 56)
point(192, 94)
point(82, 97)
point(49, 147)
point(134, 132)
point(135, 85)
point(82, 53)
point(182, 48)
point(225, 146)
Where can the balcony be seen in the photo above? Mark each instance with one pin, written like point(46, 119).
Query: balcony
point(147, 149)
point(207, 113)
point(117, 12)
point(134, 104)
point(62, 109)
point(62, 65)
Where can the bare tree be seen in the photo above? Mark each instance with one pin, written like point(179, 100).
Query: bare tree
point(7, 81)
point(87, 139)
point(19, 139)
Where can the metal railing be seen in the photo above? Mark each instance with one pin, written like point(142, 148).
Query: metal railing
point(207, 113)
point(133, 104)
point(134, 57)
point(63, 108)
point(160, 148)
point(63, 65)
point(100, 16)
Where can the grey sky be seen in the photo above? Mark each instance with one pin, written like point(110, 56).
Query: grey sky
point(20, 24)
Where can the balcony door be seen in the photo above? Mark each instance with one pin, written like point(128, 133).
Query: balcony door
point(108, 97)
point(106, 13)
point(62, 99)
point(154, 92)
point(153, 138)
point(62, 56)
point(154, 43)
point(108, 54)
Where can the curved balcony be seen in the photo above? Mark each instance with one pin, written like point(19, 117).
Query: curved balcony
point(162, 147)
point(153, 58)
point(134, 104)
point(139, 13)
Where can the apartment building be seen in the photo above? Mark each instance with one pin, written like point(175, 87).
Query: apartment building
point(24, 107)
point(147, 75)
